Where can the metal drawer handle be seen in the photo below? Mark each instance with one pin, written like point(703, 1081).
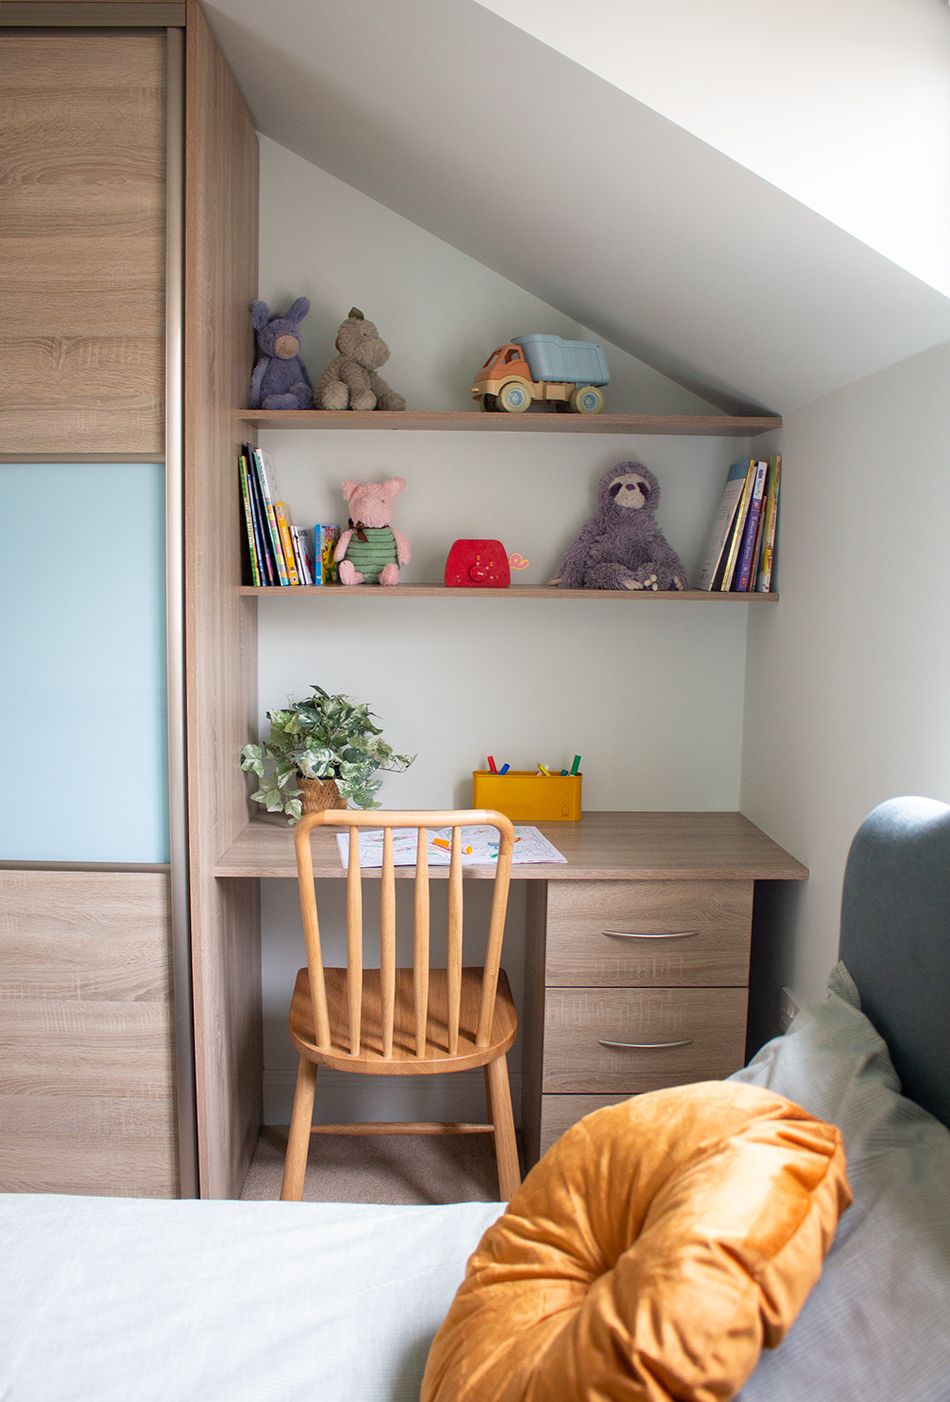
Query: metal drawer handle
point(650, 934)
point(646, 1046)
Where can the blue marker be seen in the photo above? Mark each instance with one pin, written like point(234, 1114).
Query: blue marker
point(504, 769)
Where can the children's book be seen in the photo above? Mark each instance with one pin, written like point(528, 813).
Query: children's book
point(265, 549)
point(261, 533)
point(720, 532)
point(746, 562)
point(325, 568)
point(268, 494)
point(249, 557)
point(302, 553)
point(479, 846)
point(763, 582)
point(287, 542)
point(734, 544)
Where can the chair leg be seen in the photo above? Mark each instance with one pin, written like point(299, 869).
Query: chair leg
point(298, 1139)
point(503, 1120)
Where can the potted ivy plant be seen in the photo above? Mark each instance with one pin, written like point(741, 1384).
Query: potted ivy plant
point(322, 752)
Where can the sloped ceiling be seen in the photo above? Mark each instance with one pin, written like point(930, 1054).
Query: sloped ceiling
point(577, 192)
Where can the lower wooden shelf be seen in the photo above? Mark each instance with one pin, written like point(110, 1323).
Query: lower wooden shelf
point(520, 591)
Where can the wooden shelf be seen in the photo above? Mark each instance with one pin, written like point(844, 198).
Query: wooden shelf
point(478, 421)
point(601, 847)
point(520, 591)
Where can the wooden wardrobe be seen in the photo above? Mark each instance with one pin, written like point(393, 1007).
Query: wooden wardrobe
point(129, 991)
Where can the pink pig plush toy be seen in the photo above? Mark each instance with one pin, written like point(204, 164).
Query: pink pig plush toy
point(370, 551)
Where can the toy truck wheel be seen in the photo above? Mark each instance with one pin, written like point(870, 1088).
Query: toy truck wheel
point(489, 402)
point(587, 399)
point(514, 398)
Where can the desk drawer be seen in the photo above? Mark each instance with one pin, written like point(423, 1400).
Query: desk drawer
point(654, 933)
point(559, 1112)
point(678, 1035)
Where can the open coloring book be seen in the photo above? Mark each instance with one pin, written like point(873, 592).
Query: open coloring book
point(479, 846)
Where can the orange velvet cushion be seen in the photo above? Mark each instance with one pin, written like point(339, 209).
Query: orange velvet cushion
point(651, 1254)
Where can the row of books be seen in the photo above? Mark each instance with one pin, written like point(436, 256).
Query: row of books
point(278, 552)
point(740, 549)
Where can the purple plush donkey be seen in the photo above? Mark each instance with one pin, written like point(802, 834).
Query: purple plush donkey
point(623, 547)
point(279, 380)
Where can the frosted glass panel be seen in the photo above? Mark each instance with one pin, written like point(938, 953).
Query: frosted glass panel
point(82, 663)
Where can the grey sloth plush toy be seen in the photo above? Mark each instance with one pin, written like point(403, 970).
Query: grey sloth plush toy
point(623, 547)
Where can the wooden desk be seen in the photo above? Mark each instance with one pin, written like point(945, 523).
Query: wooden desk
point(637, 956)
point(602, 847)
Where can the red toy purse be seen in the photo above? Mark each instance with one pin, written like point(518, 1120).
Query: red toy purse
point(477, 564)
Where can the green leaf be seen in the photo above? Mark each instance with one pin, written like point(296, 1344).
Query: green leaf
point(272, 799)
point(252, 760)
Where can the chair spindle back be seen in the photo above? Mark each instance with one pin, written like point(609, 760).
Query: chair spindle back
point(353, 822)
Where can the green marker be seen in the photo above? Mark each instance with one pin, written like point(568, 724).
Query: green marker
point(576, 765)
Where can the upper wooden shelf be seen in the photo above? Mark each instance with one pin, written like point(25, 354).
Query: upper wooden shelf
point(478, 421)
point(520, 591)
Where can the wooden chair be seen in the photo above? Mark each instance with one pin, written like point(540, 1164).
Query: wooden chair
point(390, 1021)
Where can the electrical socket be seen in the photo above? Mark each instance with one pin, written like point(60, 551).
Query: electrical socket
point(787, 1008)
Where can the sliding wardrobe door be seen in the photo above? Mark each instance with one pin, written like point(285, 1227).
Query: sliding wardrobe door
point(87, 1075)
point(82, 242)
point(91, 1068)
point(83, 699)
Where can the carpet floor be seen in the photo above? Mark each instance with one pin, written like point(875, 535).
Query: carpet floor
point(405, 1168)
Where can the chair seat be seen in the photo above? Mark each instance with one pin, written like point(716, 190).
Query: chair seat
point(403, 1061)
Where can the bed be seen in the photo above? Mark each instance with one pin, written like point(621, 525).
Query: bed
point(111, 1299)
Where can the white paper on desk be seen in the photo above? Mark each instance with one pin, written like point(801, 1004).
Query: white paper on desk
point(530, 846)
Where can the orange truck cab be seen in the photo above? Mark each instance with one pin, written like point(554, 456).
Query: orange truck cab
point(538, 368)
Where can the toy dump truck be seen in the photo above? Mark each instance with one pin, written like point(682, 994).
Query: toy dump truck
point(526, 368)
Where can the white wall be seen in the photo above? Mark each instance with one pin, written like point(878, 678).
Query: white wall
point(439, 311)
point(844, 105)
point(649, 693)
point(848, 682)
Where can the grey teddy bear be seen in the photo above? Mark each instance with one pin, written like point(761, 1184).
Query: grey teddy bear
point(279, 380)
point(350, 380)
point(623, 547)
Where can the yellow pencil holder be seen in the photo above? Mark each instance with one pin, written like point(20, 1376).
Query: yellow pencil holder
point(527, 797)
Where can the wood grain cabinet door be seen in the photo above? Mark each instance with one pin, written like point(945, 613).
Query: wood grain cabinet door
point(82, 243)
point(87, 1055)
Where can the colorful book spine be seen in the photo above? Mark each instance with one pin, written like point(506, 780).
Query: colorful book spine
point(325, 568)
point(763, 583)
point(735, 539)
point(287, 542)
point(757, 551)
point(265, 479)
point(261, 532)
point(745, 567)
point(254, 568)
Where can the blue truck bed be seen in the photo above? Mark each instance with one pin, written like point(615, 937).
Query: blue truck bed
point(553, 358)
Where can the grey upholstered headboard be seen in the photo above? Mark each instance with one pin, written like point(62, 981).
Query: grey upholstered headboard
point(895, 939)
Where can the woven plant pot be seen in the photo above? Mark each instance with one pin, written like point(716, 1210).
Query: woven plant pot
point(318, 794)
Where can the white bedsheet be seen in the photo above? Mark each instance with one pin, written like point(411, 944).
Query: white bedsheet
point(132, 1300)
